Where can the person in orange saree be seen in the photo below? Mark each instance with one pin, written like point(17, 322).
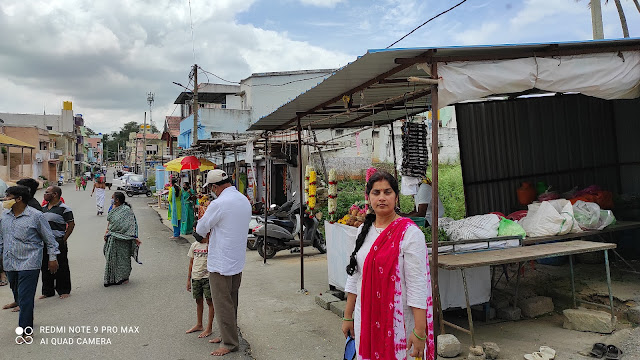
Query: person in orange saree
point(389, 307)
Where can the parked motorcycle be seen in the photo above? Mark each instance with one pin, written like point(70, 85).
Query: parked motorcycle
point(284, 234)
point(276, 212)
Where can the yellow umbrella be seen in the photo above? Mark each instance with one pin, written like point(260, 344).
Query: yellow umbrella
point(174, 165)
point(206, 164)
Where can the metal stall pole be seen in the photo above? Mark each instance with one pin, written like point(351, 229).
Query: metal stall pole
point(266, 200)
point(469, 317)
point(393, 145)
point(573, 283)
point(606, 264)
point(301, 180)
point(434, 200)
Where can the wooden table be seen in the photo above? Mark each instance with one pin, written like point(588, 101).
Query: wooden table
point(521, 255)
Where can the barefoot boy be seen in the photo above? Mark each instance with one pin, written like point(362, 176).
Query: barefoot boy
point(198, 283)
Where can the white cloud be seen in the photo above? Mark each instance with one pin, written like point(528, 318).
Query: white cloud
point(322, 3)
point(105, 61)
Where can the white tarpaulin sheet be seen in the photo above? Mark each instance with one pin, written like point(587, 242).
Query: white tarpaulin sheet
point(606, 76)
point(341, 240)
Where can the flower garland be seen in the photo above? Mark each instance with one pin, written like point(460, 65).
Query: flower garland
point(332, 202)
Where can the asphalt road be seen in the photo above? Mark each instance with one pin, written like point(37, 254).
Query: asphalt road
point(144, 319)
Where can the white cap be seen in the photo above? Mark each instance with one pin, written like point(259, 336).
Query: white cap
point(215, 176)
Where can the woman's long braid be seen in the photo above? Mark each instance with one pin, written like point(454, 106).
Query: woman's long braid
point(353, 263)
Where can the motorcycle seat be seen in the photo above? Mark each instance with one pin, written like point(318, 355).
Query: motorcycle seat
point(284, 223)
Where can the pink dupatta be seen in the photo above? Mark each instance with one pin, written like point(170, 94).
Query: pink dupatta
point(382, 330)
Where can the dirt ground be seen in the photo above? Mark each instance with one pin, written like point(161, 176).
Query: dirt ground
point(525, 336)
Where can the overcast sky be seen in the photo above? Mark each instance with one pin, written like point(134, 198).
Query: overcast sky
point(105, 56)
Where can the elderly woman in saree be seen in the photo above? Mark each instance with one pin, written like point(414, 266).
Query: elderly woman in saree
point(121, 242)
point(389, 307)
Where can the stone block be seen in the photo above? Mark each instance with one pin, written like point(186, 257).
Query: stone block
point(491, 350)
point(633, 314)
point(509, 313)
point(476, 350)
point(448, 346)
point(337, 293)
point(589, 320)
point(536, 306)
point(337, 308)
point(325, 300)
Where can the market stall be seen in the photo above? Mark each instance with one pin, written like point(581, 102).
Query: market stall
point(388, 85)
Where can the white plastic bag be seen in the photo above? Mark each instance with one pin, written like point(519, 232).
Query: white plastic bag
point(606, 219)
point(553, 217)
point(587, 214)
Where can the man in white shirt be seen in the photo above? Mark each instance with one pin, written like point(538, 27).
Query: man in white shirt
point(226, 219)
point(423, 202)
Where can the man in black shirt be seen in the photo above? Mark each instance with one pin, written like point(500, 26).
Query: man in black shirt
point(60, 218)
point(33, 185)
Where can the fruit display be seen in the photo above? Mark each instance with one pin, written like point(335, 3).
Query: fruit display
point(355, 217)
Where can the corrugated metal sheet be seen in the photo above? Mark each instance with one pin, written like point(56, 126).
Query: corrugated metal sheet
point(565, 141)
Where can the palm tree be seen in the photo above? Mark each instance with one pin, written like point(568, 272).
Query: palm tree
point(623, 19)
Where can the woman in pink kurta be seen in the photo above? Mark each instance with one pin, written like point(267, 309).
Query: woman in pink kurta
point(389, 308)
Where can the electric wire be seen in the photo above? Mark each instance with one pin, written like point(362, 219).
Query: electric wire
point(426, 22)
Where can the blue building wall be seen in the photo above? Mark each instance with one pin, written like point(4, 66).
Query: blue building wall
point(185, 138)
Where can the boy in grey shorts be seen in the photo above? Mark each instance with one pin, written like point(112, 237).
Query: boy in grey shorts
point(198, 284)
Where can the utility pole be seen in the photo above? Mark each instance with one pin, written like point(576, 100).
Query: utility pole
point(596, 20)
point(144, 141)
point(144, 147)
point(195, 105)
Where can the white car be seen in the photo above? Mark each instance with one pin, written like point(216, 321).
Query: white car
point(121, 182)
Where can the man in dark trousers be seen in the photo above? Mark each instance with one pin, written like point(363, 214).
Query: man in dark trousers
point(33, 185)
point(24, 233)
point(60, 219)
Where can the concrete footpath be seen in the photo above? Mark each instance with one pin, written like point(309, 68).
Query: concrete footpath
point(277, 320)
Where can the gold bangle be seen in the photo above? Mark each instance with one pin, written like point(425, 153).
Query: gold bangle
point(419, 338)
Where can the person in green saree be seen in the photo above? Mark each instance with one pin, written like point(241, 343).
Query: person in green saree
point(187, 199)
point(175, 208)
point(121, 242)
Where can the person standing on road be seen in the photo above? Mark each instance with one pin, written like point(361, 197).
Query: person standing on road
point(187, 197)
point(83, 182)
point(60, 218)
point(121, 242)
point(78, 183)
point(198, 284)
point(24, 232)
point(175, 208)
point(389, 308)
point(226, 219)
point(99, 189)
point(33, 185)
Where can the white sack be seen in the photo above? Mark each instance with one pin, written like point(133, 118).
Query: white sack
point(553, 217)
point(474, 227)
